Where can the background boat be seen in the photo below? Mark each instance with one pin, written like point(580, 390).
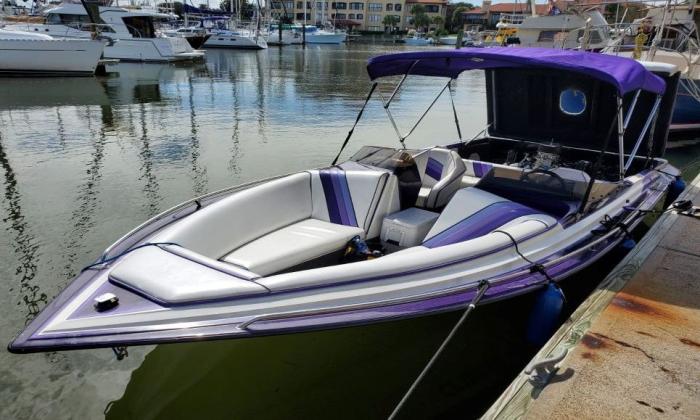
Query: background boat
point(23, 53)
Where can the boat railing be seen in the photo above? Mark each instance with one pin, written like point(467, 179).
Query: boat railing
point(512, 19)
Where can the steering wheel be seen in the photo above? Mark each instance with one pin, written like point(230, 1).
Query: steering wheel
point(553, 176)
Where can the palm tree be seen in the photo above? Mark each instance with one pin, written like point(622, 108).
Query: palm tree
point(456, 18)
point(391, 21)
point(438, 21)
point(420, 19)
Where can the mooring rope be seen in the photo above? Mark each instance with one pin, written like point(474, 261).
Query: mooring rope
point(483, 287)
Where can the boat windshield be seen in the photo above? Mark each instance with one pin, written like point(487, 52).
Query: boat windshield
point(140, 26)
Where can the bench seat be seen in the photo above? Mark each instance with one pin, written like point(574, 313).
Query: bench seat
point(292, 245)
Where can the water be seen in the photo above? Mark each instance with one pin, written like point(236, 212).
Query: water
point(85, 160)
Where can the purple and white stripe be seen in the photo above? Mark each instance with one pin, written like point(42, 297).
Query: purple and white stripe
point(433, 169)
point(338, 199)
point(480, 223)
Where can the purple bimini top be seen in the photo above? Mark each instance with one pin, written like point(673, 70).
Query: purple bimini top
point(625, 74)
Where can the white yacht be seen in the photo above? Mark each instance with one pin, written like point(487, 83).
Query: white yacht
point(418, 39)
point(291, 35)
point(315, 35)
point(135, 31)
point(565, 31)
point(23, 53)
point(236, 38)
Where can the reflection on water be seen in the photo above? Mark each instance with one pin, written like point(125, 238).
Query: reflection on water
point(86, 160)
point(25, 244)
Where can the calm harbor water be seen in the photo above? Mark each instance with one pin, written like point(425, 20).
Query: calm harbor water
point(85, 160)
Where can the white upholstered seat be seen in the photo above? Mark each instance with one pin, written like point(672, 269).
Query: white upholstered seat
point(292, 245)
point(473, 213)
point(288, 221)
point(441, 172)
point(171, 278)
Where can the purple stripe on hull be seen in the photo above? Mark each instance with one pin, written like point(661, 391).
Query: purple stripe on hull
point(480, 223)
point(338, 199)
point(433, 169)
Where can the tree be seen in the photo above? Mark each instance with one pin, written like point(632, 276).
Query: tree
point(438, 21)
point(390, 21)
point(420, 19)
point(454, 18)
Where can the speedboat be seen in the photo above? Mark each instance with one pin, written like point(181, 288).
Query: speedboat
point(314, 35)
point(225, 33)
point(26, 54)
point(418, 39)
point(448, 40)
point(236, 39)
point(571, 160)
point(133, 33)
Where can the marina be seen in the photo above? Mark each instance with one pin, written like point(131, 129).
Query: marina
point(372, 225)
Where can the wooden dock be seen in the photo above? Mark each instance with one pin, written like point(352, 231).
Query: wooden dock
point(633, 345)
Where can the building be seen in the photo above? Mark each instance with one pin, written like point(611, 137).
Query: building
point(360, 15)
point(367, 15)
point(490, 14)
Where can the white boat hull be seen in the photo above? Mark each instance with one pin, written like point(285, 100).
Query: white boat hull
point(448, 40)
point(162, 49)
point(325, 38)
point(42, 57)
point(152, 49)
point(228, 40)
point(418, 41)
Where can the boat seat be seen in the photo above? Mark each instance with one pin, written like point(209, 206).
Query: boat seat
point(347, 200)
point(473, 213)
point(441, 172)
point(173, 275)
point(293, 245)
point(474, 171)
point(282, 223)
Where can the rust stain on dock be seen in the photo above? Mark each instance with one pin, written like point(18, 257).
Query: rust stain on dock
point(633, 344)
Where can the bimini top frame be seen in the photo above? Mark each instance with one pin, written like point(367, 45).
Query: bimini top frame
point(624, 74)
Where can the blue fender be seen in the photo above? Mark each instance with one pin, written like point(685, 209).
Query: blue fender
point(545, 314)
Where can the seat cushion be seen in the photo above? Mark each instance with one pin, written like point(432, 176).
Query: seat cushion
point(292, 245)
point(441, 172)
point(242, 217)
point(171, 279)
point(354, 195)
point(473, 213)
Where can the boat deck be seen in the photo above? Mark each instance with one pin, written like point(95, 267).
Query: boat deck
point(633, 345)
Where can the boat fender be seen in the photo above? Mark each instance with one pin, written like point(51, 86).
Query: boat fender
point(545, 314)
point(628, 244)
point(674, 190)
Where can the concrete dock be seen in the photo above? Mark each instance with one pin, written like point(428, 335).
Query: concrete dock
point(633, 347)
